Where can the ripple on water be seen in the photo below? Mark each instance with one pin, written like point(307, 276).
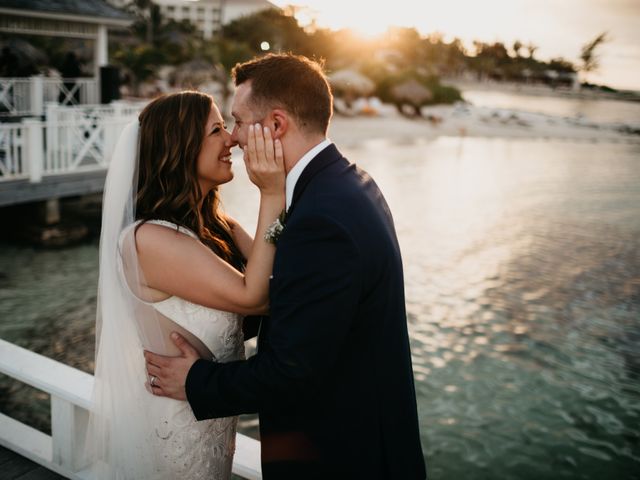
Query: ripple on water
point(522, 269)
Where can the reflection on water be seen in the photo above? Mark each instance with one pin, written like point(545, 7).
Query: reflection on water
point(522, 271)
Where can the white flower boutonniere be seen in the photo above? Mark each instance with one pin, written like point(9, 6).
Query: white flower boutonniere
point(276, 228)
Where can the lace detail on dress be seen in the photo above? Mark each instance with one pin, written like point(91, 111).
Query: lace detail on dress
point(173, 226)
point(196, 450)
point(188, 448)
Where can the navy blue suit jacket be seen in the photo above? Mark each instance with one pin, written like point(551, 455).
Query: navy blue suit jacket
point(332, 380)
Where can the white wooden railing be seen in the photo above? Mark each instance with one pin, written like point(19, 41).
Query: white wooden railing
point(12, 154)
point(70, 391)
point(28, 96)
point(70, 139)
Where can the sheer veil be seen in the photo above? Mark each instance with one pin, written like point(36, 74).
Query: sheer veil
point(121, 423)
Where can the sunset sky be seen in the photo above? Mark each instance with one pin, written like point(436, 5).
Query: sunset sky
point(558, 27)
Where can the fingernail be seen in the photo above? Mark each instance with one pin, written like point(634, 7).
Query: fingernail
point(174, 335)
point(257, 125)
point(250, 127)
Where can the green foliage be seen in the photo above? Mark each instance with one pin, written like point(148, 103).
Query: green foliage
point(444, 94)
point(281, 31)
point(140, 61)
point(389, 60)
point(230, 53)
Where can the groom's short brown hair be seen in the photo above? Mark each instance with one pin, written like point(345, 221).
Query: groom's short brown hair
point(291, 82)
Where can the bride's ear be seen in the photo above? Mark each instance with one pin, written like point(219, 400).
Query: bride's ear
point(279, 124)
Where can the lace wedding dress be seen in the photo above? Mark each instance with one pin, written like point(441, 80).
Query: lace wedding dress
point(187, 448)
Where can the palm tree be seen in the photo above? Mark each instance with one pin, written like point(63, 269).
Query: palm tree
point(589, 59)
point(531, 49)
point(144, 9)
point(517, 46)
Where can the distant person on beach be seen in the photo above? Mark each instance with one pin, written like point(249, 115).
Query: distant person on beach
point(172, 260)
point(332, 379)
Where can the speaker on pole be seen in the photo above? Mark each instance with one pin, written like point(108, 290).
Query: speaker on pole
point(109, 84)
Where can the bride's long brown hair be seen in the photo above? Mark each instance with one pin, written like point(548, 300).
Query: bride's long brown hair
point(172, 131)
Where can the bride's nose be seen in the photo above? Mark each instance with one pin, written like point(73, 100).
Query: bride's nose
point(229, 141)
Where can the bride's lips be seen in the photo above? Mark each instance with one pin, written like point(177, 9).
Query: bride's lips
point(225, 159)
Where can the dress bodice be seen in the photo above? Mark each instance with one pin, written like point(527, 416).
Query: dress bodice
point(188, 448)
point(219, 330)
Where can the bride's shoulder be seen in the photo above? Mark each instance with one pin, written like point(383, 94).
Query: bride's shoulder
point(162, 228)
point(160, 234)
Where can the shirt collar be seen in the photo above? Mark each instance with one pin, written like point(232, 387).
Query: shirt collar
point(298, 168)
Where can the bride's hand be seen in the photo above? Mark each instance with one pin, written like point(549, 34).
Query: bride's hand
point(264, 160)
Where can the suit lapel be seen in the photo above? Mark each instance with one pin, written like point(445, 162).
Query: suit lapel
point(326, 157)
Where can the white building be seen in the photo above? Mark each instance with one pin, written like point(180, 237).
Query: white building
point(207, 15)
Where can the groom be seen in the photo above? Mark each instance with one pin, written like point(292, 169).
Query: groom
point(332, 380)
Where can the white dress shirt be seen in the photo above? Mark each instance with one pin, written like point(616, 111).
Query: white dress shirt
point(298, 168)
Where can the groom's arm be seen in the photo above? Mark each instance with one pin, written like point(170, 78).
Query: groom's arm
point(314, 300)
point(251, 326)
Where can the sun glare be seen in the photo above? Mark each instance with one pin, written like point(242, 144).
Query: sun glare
point(557, 29)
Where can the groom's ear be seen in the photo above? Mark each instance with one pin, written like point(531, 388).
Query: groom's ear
point(280, 123)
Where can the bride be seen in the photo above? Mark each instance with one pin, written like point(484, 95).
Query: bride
point(171, 260)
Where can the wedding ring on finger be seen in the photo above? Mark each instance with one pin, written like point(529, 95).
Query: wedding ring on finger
point(152, 380)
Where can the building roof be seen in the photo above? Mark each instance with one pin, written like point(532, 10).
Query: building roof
point(83, 8)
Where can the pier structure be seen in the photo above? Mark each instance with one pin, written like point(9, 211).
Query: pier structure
point(65, 154)
point(56, 133)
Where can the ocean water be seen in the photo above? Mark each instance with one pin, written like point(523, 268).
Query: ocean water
point(522, 269)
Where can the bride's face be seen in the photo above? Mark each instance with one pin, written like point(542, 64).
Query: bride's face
point(214, 160)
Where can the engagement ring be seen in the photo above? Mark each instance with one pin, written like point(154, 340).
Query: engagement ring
point(152, 380)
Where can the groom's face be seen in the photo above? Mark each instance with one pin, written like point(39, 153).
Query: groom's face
point(242, 114)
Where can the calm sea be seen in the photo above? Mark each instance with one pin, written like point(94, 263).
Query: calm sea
point(522, 264)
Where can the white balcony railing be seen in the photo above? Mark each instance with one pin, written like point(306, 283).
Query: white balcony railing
point(70, 390)
point(28, 96)
point(70, 139)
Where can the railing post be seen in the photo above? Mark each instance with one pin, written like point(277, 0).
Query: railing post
point(34, 147)
point(68, 432)
point(101, 55)
point(112, 129)
point(36, 95)
point(52, 119)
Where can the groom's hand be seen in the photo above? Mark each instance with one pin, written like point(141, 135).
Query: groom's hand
point(167, 376)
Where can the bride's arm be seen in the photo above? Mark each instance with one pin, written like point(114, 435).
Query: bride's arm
point(179, 265)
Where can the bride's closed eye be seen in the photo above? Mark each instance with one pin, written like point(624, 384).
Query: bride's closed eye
point(217, 129)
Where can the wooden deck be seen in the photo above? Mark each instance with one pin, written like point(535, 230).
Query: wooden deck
point(14, 192)
point(14, 467)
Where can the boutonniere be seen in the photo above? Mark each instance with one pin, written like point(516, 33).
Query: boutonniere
point(276, 228)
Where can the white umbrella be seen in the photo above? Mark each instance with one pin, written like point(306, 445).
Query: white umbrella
point(350, 81)
point(195, 73)
point(412, 92)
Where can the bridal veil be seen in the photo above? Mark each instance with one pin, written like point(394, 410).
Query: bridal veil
point(121, 428)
